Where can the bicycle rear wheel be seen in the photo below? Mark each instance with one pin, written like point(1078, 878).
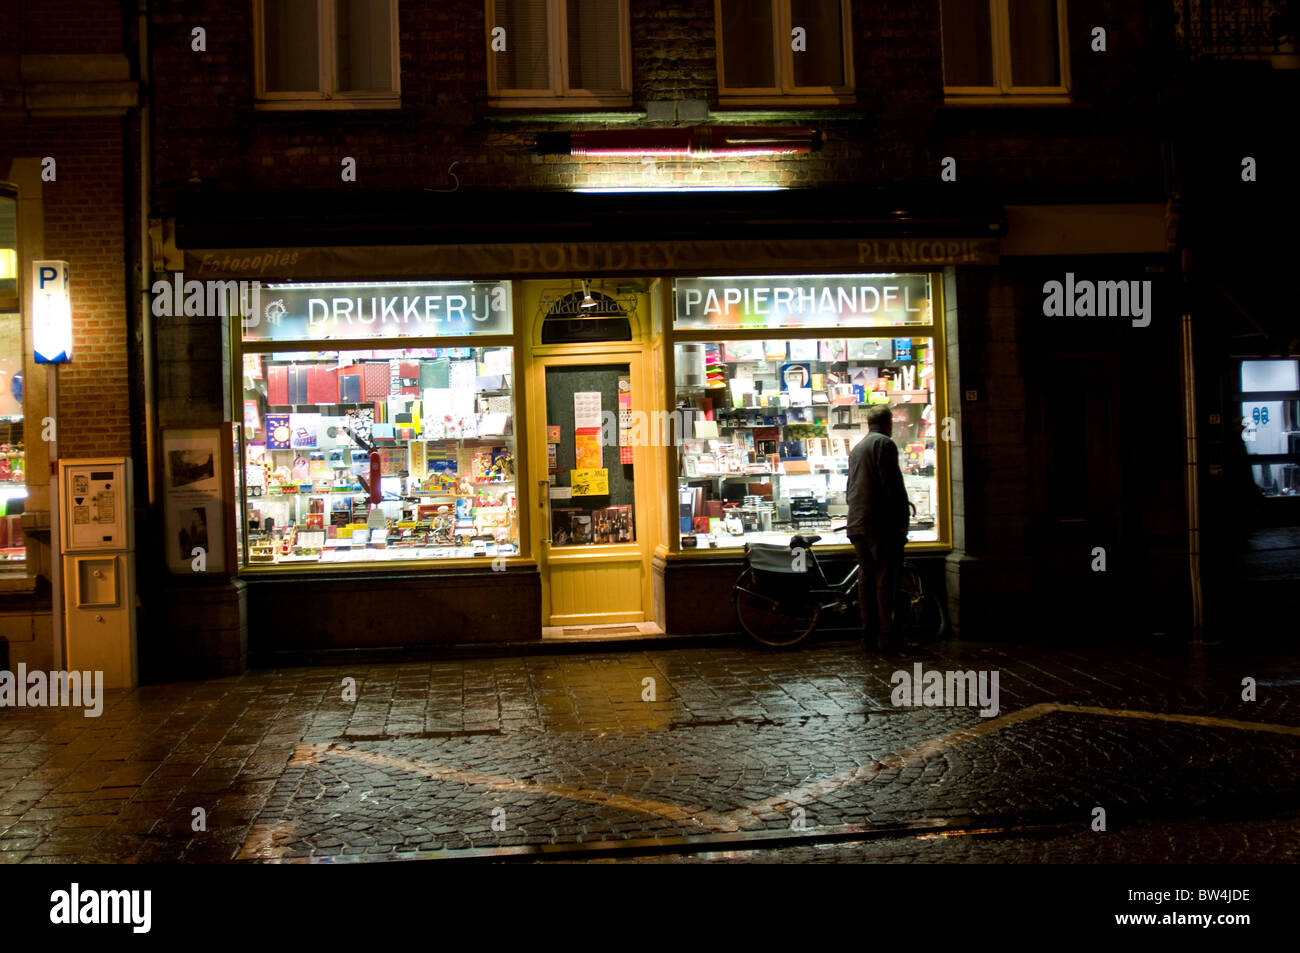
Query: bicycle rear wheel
point(774, 619)
point(919, 613)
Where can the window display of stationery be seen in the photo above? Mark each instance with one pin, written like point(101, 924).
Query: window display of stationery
point(440, 422)
point(765, 448)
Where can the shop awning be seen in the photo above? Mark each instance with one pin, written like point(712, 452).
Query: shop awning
point(209, 218)
point(297, 236)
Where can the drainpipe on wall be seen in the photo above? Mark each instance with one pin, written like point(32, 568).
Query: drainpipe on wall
point(146, 256)
point(1191, 477)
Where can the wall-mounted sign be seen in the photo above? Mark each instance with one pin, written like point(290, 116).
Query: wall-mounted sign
point(803, 301)
point(586, 258)
point(51, 312)
point(317, 312)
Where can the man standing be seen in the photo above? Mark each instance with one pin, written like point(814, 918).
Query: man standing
point(877, 528)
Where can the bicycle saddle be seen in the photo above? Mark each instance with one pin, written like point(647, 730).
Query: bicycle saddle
point(803, 541)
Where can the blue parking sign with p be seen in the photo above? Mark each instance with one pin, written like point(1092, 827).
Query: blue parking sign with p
point(51, 313)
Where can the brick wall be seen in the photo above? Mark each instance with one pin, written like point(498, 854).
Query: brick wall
point(84, 226)
point(71, 26)
point(207, 125)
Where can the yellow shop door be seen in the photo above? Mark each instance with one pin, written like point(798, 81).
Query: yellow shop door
point(593, 513)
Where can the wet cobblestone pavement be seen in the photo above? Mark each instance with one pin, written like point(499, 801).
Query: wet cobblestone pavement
point(494, 756)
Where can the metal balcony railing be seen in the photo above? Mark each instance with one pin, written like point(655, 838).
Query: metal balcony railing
point(1237, 29)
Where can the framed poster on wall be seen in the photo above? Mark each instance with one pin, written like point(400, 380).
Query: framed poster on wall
point(197, 509)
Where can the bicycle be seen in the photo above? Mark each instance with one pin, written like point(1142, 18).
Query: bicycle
point(783, 591)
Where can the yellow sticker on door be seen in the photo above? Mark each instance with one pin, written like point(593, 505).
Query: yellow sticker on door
point(590, 482)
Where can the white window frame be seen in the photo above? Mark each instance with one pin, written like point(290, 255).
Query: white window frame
point(1003, 91)
point(327, 97)
point(560, 94)
point(785, 92)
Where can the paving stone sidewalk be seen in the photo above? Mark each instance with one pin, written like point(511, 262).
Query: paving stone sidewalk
point(544, 750)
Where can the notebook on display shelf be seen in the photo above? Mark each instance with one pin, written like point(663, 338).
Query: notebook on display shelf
point(298, 379)
point(277, 385)
point(322, 384)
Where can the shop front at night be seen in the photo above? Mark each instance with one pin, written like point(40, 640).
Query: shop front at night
point(444, 444)
point(485, 440)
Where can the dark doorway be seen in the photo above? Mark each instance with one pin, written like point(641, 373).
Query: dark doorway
point(1076, 520)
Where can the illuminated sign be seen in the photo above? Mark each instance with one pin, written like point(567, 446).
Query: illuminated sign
point(313, 312)
point(51, 312)
point(804, 301)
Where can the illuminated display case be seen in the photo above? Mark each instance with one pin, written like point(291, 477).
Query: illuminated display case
point(1270, 424)
point(13, 465)
point(395, 454)
point(770, 408)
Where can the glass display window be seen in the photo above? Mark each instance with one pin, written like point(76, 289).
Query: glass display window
point(593, 489)
point(768, 425)
point(379, 455)
point(1270, 424)
point(13, 465)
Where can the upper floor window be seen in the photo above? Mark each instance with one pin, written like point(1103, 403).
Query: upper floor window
point(559, 53)
point(784, 51)
point(326, 54)
point(1005, 48)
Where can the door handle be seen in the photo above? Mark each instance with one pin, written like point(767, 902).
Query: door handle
point(543, 497)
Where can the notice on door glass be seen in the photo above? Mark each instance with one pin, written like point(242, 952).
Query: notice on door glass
point(590, 482)
point(586, 443)
point(586, 409)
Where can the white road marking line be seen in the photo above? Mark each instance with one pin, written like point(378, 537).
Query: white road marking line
point(270, 840)
point(439, 772)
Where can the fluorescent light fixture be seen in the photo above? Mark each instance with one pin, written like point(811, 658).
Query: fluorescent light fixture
point(688, 188)
point(844, 277)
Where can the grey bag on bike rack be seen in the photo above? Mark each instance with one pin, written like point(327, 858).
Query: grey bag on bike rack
point(773, 558)
point(776, 568)
point(778, 574)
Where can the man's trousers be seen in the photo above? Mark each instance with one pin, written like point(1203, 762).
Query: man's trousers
point(879, 562)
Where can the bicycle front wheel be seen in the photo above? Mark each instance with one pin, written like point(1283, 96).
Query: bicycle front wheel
point(774, 619)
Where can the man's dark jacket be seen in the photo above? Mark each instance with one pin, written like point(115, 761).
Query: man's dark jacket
point(877, 498)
